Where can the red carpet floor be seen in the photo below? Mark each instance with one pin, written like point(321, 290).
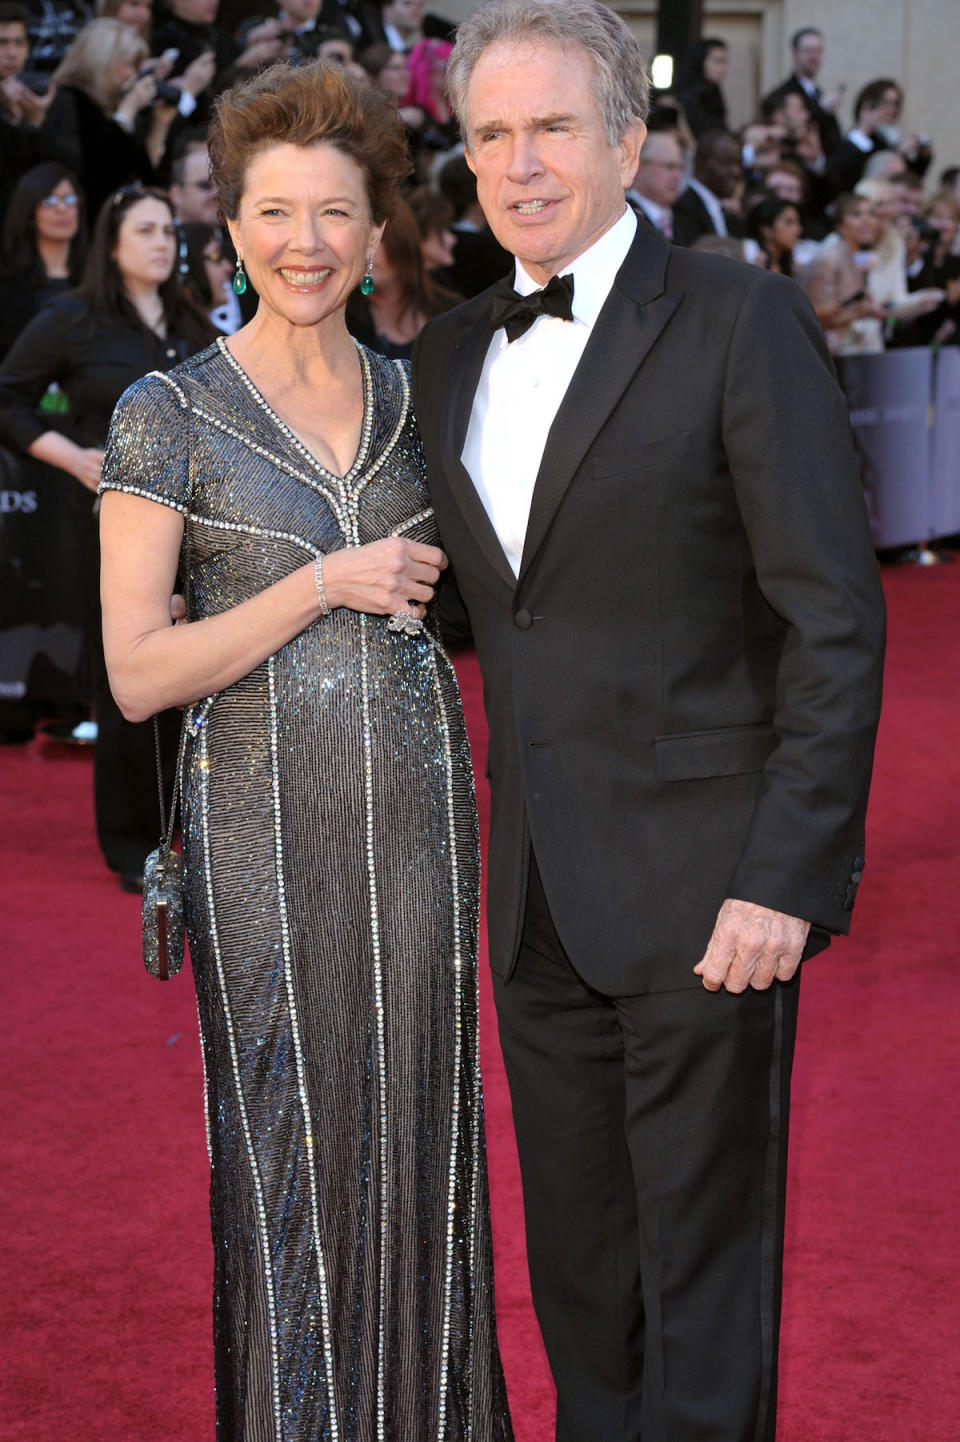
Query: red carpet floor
point(105, 1266)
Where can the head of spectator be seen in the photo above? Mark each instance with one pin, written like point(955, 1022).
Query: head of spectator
point(909, 188)
point(458, 185)
point(876, 109)
point(14, 38)
point(761, 145)
point(434, 217)
point(192, 191)
point(806, 47)
point(786, 110)
point(950, 180)
point(302, 127)
point(942, 215)
point(138, 14)
point(389, 69)
point(428, 78)
point(404, 18)
point(705, 64)
point(336, 50)
point(725, 245)
point(204, 267)
point(43, 231)
point(131, 265)
point(403, 289)
point(659, 174)
point(887, 165)
point(884, 201)
point(102, 62)
point(295, 13)
point(776, 227)
point(855, 222)
point(717, 163)
point(787, 181)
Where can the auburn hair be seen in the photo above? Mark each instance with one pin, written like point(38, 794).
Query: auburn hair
point(307, 105)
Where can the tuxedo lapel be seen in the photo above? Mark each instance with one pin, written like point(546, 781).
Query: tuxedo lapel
point(466, 365)
point(633, 315)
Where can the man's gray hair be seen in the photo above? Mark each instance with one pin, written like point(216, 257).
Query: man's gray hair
point(620, 70)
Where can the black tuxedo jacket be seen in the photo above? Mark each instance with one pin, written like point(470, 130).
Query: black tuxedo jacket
point(691, 219)
point(683, 685)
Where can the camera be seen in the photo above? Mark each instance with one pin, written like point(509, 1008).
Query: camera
point(166, 94)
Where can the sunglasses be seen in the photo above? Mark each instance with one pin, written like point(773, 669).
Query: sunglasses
point(53, 202)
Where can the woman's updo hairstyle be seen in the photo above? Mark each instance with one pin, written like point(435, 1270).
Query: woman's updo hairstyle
point(308, 105)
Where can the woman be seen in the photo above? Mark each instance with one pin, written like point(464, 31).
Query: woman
point(887, 276)
point(403, 297)
point(699, 87)
point(329, 825)
point(138, 14)
point(102, 91)
point(205, 271)
point(44, 244)
point(128, 318)
point(435, 216)
point(774, 227)
point(836, 281)
point(427, 92)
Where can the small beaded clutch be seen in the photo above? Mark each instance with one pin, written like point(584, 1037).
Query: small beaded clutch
point(162, 915)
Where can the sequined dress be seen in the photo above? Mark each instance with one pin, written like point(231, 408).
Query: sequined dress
point(331, 859)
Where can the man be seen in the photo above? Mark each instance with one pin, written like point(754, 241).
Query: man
point(717, 172)
point(654, 519)
point(23, 141)
point(658, 180)
point(193, 193)
point(806, 47)
point(876, 108)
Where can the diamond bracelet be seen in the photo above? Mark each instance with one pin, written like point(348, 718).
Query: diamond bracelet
point(321, 593)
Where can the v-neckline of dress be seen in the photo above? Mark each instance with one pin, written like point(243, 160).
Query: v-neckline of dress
point(366, 425)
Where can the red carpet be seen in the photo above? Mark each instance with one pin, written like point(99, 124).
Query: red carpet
point(105, 1269)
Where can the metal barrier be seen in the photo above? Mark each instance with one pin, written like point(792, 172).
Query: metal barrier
point(905, 413)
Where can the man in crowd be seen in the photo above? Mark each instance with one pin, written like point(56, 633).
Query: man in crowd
point(193, 193)
point(23, 141)
point(658, 181)
point(717, 173)
point(643, 474)
point(807, 50)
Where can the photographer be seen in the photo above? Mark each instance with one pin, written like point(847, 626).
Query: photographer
point(104, 86)
point(876, 127)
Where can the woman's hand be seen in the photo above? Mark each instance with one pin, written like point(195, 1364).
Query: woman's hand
point(86, 467)
point(140, 94)
point(198, 74)
point(383, 577)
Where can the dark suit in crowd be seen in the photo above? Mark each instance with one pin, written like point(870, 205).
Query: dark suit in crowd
point(682, 689)
point(691, 219)
point(826, 122)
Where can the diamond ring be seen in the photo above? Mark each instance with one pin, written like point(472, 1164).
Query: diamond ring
point(404, 624)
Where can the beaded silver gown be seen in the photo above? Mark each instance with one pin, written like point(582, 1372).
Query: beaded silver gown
point(331, 858)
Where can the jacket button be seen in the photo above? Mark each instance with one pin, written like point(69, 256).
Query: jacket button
point(855, 876)
point(523, 619)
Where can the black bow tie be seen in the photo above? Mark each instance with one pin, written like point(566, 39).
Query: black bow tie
point(516, 313)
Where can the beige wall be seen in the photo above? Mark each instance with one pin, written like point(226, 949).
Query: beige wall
point(915, 41)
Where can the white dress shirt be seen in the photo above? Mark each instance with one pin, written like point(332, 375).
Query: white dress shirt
point(523, 383)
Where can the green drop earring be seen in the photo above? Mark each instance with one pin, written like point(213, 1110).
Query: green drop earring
point(239, 281)
point(366, 285)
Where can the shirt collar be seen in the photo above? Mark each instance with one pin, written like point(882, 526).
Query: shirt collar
point(593, 271)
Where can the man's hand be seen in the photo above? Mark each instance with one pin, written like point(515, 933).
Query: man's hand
point(751, 946)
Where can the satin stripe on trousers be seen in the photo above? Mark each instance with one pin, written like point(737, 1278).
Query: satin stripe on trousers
point(652, 1134)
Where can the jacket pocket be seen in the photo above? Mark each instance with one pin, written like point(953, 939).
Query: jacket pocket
point(634, 458)
point(725, 751)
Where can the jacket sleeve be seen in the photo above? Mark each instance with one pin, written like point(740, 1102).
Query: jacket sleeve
point(37, 358)
point(791, 455)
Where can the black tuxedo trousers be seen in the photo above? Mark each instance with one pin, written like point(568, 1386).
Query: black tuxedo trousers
point(682, 687)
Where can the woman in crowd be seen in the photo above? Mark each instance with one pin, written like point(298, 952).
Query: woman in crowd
point(129, 317)
point(138, 14)
point(699, 86)
point(329, 825)
point(428, 92)
point(435, 216)
point(887, 275)
point(774, 227)
point(100, 98)
point(403, 297)
point(836, 281)
point(44, 244)
point(205, 270)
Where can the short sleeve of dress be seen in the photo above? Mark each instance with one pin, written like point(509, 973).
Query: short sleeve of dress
point(147, 450)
